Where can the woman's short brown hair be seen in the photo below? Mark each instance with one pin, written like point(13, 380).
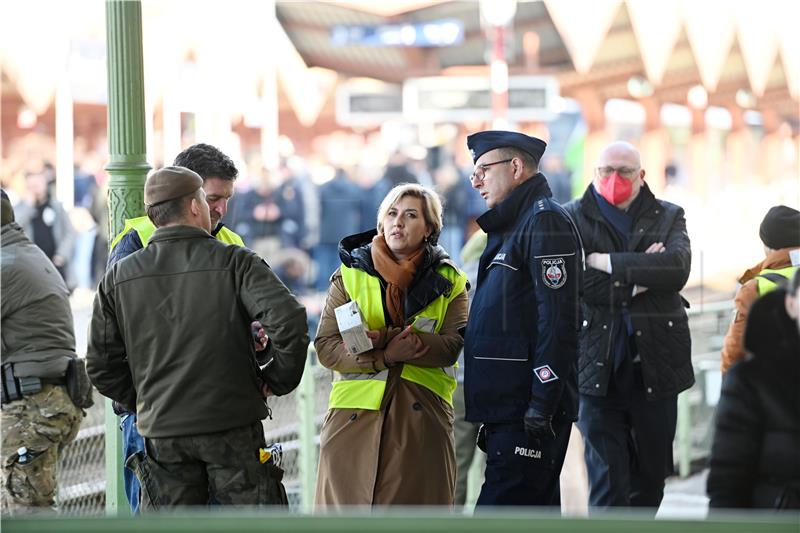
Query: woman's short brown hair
point(431, 206)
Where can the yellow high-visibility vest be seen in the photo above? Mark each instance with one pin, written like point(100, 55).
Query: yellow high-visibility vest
point(145, 228)
point(766, 285)
point(364, 390)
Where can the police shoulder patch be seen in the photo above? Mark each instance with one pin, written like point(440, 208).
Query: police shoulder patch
point(554, 272)
point(545, 373)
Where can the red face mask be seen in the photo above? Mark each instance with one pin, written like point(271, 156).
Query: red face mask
point(615, 189)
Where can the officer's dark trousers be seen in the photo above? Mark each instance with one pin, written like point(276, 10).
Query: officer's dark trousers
point(628, 442)
point(520, 470)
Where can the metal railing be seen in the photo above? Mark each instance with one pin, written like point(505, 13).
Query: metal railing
point(297, 418)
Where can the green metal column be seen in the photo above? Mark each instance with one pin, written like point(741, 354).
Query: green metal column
point(127, 168)
point(306, 435)
point(684, 434)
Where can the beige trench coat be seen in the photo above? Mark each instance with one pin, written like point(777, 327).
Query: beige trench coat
point(402, 454)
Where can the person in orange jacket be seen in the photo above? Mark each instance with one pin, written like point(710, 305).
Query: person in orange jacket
point(780, 233)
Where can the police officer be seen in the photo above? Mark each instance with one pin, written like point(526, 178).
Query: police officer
point(521, 338)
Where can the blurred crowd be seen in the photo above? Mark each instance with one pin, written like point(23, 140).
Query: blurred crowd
point(294, 216)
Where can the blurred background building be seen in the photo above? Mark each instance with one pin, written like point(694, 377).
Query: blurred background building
point(708, 90)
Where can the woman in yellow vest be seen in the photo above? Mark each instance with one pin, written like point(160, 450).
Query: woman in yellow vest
point(388, 436)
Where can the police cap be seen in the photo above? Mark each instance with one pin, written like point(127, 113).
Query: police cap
point(485, 141)
point(169, 183)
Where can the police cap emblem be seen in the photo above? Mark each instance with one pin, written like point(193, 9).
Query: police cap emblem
point(554, 272)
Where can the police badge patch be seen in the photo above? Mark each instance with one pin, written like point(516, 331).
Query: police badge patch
point(545, 374)
point(554, 272)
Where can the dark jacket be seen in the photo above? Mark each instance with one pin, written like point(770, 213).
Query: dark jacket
point(170, 334)
point(658, 315)
point(755, 457)
point(521, 342)
point(37, 328)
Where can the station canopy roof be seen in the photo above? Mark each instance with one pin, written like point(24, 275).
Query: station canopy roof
point(739, 52)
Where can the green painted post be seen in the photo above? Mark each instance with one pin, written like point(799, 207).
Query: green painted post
point(684, 434)
point(127, 168)
point(306, 434)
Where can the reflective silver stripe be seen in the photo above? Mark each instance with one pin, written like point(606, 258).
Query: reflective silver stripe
point(361, 376)
point(500, 358)
point(500, 264)
point(554, 255)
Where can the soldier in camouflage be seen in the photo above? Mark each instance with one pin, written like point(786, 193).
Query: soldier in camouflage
point(42, 424)
point(38, 416)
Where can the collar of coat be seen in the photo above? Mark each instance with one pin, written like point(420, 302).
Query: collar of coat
point(507, 213)
point(12, 233)
point(775, 259)
point(355, 251)
point(178, 231)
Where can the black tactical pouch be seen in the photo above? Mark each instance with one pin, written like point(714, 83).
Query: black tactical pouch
point(79, 387)
point(9, 385)
point(272, 491)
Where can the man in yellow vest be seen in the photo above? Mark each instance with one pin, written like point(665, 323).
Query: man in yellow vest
point(218, 172)
point(780, 233)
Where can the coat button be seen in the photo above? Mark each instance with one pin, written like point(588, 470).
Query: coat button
point(669, 323)
point(639, 333)
point(585, 323)
point(657, 211)
point(417, 406)
point(624, 304)
point(605, 326)
point(641, 230)
point(596, 385)
point(649, 390)
point(616, 283)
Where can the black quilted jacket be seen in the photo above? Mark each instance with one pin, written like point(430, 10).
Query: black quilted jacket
point(755, 458)
point(658, 314)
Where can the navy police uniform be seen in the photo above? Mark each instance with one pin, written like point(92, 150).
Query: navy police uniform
point(521, 338)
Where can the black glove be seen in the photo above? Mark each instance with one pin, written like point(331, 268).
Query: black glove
point(538, 425)
point(481, 440)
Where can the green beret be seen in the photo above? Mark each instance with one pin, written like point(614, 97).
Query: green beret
point(169, 183)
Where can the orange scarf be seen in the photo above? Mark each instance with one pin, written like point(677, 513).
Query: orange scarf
point(398, 276)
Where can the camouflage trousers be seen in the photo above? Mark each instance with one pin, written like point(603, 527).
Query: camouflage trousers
point(43, 423)
point(180, 471)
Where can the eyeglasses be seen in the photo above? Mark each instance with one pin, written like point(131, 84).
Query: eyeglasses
point(625, 172)
point(480, 171)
